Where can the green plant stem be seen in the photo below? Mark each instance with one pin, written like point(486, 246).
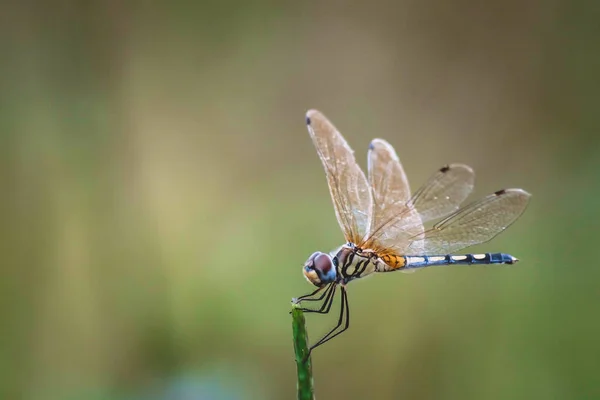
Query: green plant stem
point(303, 363)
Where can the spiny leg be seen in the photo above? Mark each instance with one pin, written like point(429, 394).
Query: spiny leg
point(332, 333)
point(345, 311)
point(307, 297)
point(326, 306)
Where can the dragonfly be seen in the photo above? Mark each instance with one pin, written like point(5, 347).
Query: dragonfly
point(383, 223)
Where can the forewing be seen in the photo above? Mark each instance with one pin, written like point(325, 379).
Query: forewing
point(444, 192)
point(347, 183)
point(394, 221)
point(476, 223)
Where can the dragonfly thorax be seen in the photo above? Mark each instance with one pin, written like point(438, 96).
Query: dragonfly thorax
point(352, 262)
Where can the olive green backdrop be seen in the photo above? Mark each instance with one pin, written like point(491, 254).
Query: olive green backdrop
point(159, 194)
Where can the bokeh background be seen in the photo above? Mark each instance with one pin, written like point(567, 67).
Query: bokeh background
point(160, 194)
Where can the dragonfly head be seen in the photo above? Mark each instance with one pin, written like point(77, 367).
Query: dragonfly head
point(319, 269)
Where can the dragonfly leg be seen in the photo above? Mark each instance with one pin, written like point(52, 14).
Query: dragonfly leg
point(312, 296)
point(345, 311)
point(309, 297)
point(326, 306)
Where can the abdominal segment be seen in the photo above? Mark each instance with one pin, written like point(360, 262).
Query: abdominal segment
point(392, 262)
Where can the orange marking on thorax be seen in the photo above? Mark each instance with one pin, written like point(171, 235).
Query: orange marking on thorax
point(393, 261)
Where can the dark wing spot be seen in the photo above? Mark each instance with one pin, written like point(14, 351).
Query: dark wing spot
point(500, 192)
point(445, 168)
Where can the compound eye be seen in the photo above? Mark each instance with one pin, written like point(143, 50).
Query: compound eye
point(322, 263)
point(311, 260)
point(319, 270)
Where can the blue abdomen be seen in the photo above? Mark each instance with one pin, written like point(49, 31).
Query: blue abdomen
point(464, 259)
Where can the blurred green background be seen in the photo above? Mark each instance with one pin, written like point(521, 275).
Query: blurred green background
point(160, 194)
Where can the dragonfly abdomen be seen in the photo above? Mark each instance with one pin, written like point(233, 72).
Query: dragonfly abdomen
point(392, 262)
point(464, 259)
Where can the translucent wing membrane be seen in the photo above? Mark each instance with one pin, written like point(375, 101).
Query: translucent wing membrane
point(391, 194)
point(347, 183)
point(476, 223)
point(396, 224)
point(444, 192)
point(381, 215)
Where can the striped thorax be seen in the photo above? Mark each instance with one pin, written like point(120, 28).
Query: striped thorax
point(352, 262)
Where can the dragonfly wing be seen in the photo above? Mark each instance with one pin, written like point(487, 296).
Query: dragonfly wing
point(475, 223)
point(394, 220)
point(444, 192)
point(347, 182)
